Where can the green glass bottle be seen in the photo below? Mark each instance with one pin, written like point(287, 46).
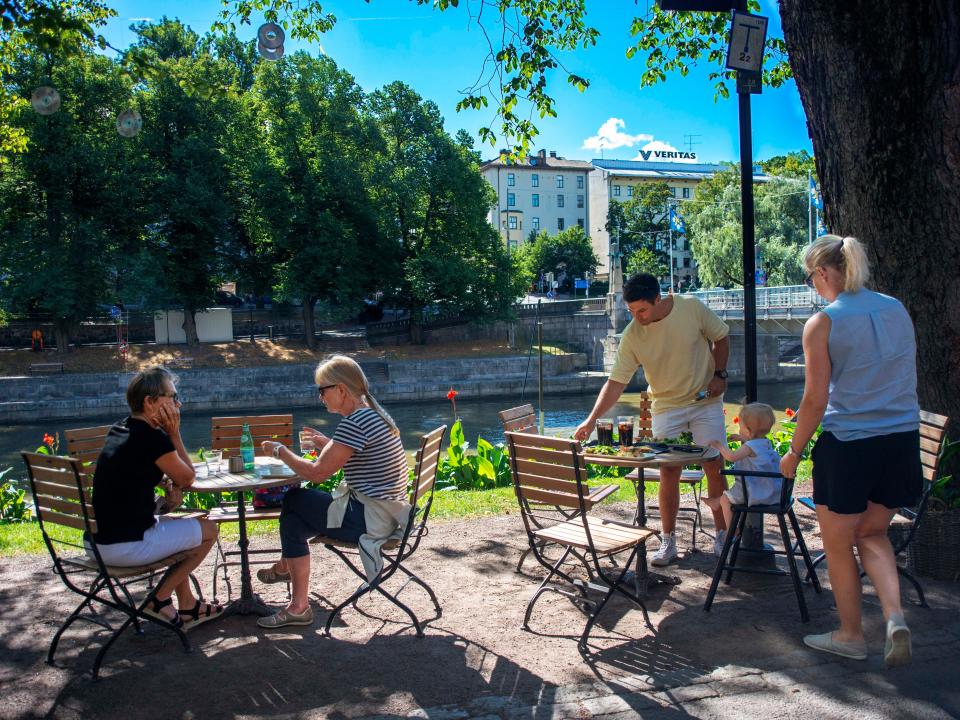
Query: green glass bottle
point(246, 447)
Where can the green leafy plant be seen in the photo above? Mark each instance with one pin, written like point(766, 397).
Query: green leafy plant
point(944, 493)
point(51, 444)
point(14, 507)
point(782, 438)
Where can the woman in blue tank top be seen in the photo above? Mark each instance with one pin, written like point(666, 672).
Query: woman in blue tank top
point(861, 382)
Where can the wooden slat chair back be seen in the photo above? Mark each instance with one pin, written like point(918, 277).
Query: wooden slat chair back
point(523, 419)
point(692, 478)
point(551, 471)
point(225, 432)
point(62, 496)
point(85, 445)
point(225, 435)
point(395, 552)
point(783, 510)
point(933, 434)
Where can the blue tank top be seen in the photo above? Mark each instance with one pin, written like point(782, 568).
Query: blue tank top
point(873, 377)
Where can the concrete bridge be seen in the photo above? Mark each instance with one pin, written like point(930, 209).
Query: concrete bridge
point(781, 310)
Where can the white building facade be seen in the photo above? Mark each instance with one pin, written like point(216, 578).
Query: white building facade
point(545, 192)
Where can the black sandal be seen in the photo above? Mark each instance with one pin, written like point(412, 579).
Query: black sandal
point(153, 612)
point(194, 616)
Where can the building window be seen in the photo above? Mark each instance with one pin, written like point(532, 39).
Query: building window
point(629, 190)
point(686, 193)
point(579, 182)
point(511, 179)
point(616, 191)
point(536, 223)
point(673, 192)
point(512, 222)
point(511, 199)
point(580, 223)
point(579, 201)
point(535, 180)
point(559, 181)
point(535, 199)
point(560, 200)
point(686, 262)
point(559, 223)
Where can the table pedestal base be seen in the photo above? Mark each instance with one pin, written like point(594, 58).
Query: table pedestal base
point(249, 606)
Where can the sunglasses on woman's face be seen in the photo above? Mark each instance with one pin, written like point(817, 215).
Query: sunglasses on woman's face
point(321, 389)
point(809, 281)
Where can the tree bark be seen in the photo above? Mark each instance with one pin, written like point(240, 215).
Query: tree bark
point(880, 85)
point(190, 327)
point(61, 334)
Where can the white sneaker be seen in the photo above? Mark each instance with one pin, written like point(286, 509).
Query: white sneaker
point(667, 552)
point(718, 542)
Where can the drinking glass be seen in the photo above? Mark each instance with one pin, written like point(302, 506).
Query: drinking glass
point(306, 442)
point(605, 431)
point(625, 429)
point(213, 458)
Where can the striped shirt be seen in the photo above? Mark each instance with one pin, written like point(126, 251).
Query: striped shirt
point(378, 466)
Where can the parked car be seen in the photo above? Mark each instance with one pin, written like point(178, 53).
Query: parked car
point(225, 298)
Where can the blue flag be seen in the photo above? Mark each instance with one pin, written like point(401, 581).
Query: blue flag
point(676, 221)
point(821, 227)
point(816, 198)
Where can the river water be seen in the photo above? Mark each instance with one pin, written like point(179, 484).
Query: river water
point(561, 412)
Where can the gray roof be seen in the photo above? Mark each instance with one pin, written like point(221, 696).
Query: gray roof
point(667, 170)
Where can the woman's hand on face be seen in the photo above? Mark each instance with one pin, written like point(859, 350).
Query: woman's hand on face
point(788, 465)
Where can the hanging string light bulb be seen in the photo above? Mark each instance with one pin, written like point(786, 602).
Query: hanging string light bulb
point(45, 100)
point(129, 123)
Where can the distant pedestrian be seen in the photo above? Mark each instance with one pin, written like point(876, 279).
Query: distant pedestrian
point(861, 381)
point(36, 340)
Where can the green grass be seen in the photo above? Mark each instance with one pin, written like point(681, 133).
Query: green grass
point(25, 539)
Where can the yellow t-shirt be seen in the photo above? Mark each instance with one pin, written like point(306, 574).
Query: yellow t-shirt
point(674, 352)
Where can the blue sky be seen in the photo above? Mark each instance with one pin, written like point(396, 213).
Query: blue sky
point(441, 54)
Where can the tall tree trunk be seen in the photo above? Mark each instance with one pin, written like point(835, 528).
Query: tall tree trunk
point(309, 336)
point(190, 327)
point(61, 334)
point(880, 85)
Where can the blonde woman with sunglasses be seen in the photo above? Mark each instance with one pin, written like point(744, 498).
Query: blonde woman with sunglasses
point(369, 506)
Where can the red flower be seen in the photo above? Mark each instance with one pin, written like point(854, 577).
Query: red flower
point(451, 394)
point(48, 439)
point(736, 421)
point(789, 413)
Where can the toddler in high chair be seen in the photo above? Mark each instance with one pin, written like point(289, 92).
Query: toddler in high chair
point(755, 453)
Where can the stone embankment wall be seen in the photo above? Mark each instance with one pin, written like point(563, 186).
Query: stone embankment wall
point(68, 396)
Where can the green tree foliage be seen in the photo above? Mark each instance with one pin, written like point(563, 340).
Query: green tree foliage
point(568, 255)
point(792, 165)
point(433, 205)
point(715, 233)
point(641, 223)
point(67, 205)
point(645, 260)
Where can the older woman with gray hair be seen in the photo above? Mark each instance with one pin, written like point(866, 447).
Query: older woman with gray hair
point(371, 502)
point(861, 381)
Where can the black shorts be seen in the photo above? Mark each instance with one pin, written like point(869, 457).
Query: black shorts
point(884, 470)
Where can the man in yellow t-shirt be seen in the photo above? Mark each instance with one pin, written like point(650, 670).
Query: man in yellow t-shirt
point(683, 349)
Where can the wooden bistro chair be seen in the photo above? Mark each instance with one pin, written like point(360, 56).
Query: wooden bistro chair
point(397, 552)
point(933, 434)
point(783, 509)
point(61, 493)
point(523, 419)
point(692, 478)
point(550, 472)
point(225, 435)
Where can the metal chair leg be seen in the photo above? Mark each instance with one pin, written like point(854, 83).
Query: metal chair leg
point(792, 564)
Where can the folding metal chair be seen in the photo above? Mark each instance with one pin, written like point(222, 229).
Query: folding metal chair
point(784, 511)
point(523, 419)
point(397, 552)
point(550, 472)
point(60, 491)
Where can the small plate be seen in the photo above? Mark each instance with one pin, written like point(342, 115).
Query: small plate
point(274, 471)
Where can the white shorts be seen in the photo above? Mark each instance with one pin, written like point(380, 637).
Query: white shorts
point(705, 421)
point(167, 537)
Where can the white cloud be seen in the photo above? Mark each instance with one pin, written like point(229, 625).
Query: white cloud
point(609, 136)
point(140, 19)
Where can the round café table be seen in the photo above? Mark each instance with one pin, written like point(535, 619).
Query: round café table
point(667, 459)
point(240, 482)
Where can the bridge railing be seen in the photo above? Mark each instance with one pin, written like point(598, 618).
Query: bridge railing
point(768, 298)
